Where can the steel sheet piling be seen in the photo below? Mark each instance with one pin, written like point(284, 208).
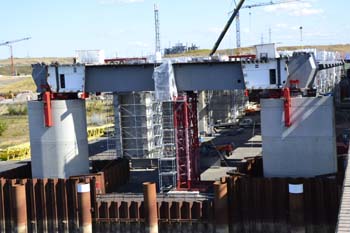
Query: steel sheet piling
point(221, 207)
point(19, 208)
point(296, 207)
point(84, 207)
point(150, 204)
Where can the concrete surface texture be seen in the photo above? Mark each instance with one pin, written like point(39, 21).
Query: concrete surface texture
point(308, 147)
point(59, 151)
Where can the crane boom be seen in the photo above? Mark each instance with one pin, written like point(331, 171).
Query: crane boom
point(14, 41)
point(9, 44)
point(228, 24)
point(238, 32)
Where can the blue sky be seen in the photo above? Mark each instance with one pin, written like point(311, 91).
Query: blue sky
point(126, 27)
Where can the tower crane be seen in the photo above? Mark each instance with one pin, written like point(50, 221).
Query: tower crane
point(238, 30)
point(9, 44)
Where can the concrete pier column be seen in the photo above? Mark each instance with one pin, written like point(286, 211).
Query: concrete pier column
point(84, 208)
point(150, 204)
point(296, 207)
point(20, 208)
point(221, 207)
point(59, 151)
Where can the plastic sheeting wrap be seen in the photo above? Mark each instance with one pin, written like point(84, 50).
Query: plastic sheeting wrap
point(164, 82)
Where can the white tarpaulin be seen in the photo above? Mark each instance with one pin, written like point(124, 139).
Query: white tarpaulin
point(164, 82)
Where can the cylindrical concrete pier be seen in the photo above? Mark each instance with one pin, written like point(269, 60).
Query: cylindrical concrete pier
point(221, 207)
point(20, 208)
point(84, 208)
point(59, 151)
point(150, 204)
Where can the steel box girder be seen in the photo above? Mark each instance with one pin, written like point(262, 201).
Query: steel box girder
point(188, 77)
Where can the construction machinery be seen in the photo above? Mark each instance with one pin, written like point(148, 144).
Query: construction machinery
point(238, 26)
point(9, 44)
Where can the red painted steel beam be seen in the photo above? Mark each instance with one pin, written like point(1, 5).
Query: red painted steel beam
point(150, 204)
point(182, 142)
point(47, 109)
point(287, 107)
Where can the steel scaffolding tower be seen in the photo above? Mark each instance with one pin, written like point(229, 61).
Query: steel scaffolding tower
point(140, 125)
point(186, 139)
point(167, 162)
point(109, 120)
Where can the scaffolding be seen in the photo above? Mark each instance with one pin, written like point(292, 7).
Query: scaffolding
point(139, 125)
point(167, 162)
point(110, 131)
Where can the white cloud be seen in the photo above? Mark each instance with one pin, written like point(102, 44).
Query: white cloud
point(107, 2)
point(294, 9)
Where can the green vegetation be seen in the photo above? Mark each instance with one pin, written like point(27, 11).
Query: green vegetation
point(15, 85)
point(23, 65)
point(342, 48)
point(3, 127)
point(17, 109)
point(93, 106)
point(16, 131)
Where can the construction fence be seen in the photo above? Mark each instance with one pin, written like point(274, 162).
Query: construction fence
point(22, 151)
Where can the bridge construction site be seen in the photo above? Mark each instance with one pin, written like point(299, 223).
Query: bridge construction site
point(245, 143)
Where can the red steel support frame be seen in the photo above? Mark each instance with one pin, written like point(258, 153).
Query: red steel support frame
point(287, 107)
point(186, 139)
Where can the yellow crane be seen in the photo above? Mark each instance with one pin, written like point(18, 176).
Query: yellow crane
point(9, 44)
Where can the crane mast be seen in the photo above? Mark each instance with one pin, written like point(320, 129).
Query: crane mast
point(238, 30)
point(9, 44)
